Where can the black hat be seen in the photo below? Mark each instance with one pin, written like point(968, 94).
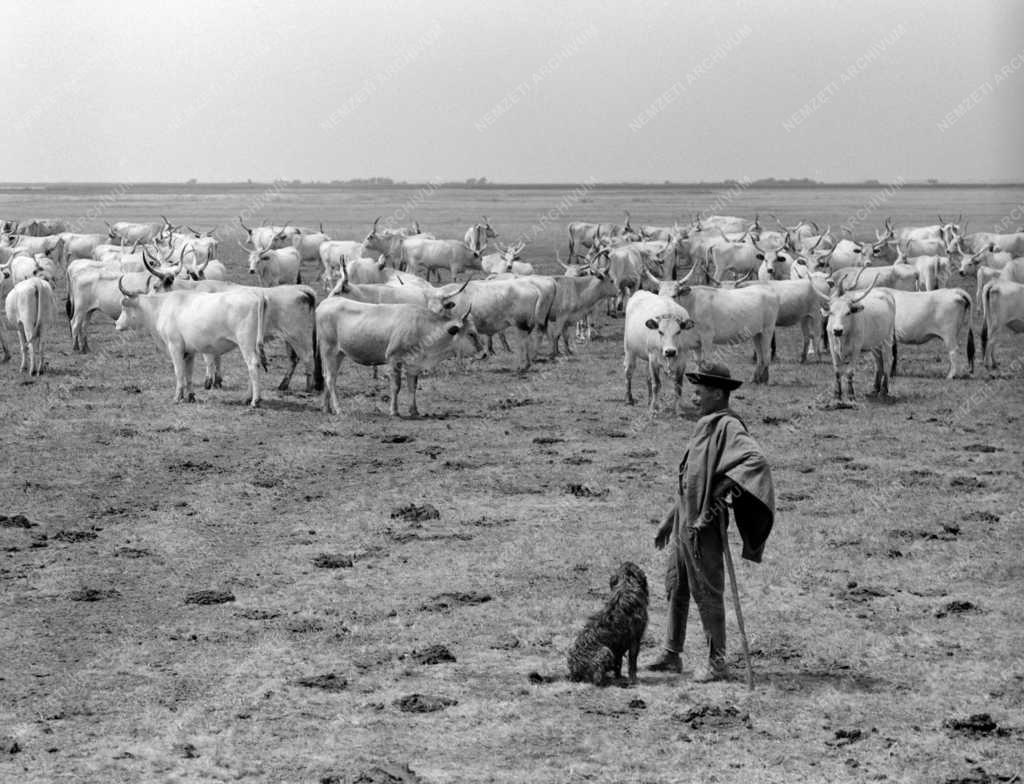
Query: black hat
point(714, 374)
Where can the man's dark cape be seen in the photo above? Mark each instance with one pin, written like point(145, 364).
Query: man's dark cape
point(720, 444)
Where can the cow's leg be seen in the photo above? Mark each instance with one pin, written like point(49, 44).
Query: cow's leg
point(178, 361)
point(188, 365)
point(83, 330)
point(396, 386)
point(653, 384)
point(413, 378)
point(628, 363)
point(805, 342)
point(23, 347)
point(504, 342)
point(293, 360)
point(3, 345)
point(951, 346)
point(773, 347)
point(35, 356)
point(849, 381)
point(330, 360)
point(209, 364)
point(252, 363)
point(524, 349)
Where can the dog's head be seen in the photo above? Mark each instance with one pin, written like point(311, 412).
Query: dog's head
point(629, 575)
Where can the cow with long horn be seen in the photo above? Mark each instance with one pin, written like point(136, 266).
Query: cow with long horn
point(856, 322)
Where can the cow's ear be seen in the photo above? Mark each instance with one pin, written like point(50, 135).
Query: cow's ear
point(651, 324)
point(825, 312)
point(687, 324)
point(759, 256)
point(856, 307)
point(453, 329)
point(448, 305)
point(682, 291)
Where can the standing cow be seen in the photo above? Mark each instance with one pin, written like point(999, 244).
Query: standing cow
point(856, 322)
point(29, 307)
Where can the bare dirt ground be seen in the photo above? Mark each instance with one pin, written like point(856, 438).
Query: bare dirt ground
point(205, 592)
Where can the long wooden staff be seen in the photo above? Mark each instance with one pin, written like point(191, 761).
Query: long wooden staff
point(736, 598)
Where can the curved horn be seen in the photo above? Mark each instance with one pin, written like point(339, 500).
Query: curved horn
point(867, 291)
point(120, 286)
point(941, 221)
point(373, 229)
point(244, 226)
point(562, 264)
point(322, 228)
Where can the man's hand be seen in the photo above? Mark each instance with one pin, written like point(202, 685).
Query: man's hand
point(665, 530)
point(722, 488)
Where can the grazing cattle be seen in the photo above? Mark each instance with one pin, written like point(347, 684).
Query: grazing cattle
point(125, 232)
point(80, 246)
point(800, 303)
point(93, 287)
point(575, 297)
point(1007, 243)
point(658, 331)
point(407, 338)
point(500, 303)
point(856, 322)
point(625, 267)
point(386, 294)
point(29, 306)
point(479, 235)
point(1002, 305)
point(332, 253)
point(51, 246)
point(270, 237)
point(739, 258)
point(894, 276)
point(583, 236)
point(186, 323)
point(308, 244)
point(1013, 271)
point(422, 256)
point(274, 266)
point(932, 271)
point(506, 260)
point(729, 316)
point(201, 247)
point(37, 227)
point(289, 316)
point(944, 230)
point(922, 316)
point(39, 266)
point(845, 253)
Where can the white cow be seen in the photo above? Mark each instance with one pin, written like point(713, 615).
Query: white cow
point(407, 338)
point(660, 332)
point(1002, 305)
point(29, 306)
point(860, 321)
point(922, 316)
point(186, 323)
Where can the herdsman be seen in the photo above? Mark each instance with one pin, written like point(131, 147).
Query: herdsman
point(722, 464)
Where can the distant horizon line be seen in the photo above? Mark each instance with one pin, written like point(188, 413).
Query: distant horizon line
point(384, 183)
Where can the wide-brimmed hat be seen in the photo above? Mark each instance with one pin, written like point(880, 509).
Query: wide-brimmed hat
point(714, 374)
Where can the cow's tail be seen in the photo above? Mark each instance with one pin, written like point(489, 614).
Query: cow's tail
point(895, 353)
point(986, 309)
point(37, 316)
point(969, 316)
point(69, 306)
point(261, 317)
point(318, 365)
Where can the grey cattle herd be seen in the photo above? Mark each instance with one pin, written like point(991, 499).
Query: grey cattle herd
point(408, 300)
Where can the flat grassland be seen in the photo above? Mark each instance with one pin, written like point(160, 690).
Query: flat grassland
point(887, 608)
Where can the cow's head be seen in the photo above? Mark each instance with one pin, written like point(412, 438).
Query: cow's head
point(841, 310)
point(670, 329)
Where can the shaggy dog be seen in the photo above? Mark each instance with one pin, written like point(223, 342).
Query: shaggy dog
point(614, 631)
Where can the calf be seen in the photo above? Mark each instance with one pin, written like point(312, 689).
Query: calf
point(574, 299)
point(658, 331)
point(274, 266)
point(29, 306)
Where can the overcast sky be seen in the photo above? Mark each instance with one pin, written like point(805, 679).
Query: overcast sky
point(512, 91)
